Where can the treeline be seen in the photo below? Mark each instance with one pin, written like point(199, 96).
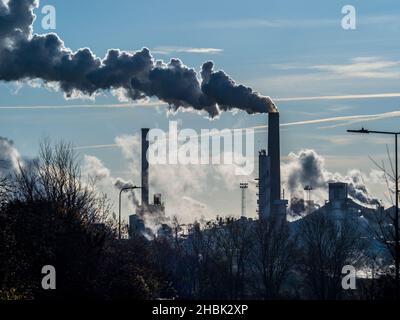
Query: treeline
point(267, 259)
point(50, 216)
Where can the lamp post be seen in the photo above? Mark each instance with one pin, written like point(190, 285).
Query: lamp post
point(396, 219)
point(119, 215)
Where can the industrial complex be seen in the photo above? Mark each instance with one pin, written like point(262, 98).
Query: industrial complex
point(271, 198)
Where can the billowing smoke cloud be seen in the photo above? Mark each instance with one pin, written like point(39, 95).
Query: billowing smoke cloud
point(307, 168)
point(357, 188)
point(222, 89)
point(27, 56)
point(9, 157)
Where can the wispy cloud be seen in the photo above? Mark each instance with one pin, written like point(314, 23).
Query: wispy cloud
point(97, 146)
point(358, 67)
point(363, 67)
point(86, 106)
point(342, 97)
point(352, 118)
point(252, 23)
point(265, 23)
point(168, 50)
point(348, 139)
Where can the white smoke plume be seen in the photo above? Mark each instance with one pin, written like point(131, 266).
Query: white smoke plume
point(10, 158)
point(95, 172)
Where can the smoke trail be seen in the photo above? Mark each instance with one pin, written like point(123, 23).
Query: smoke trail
point(25, 56)
point(120, 184)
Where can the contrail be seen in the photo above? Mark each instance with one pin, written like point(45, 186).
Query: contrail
point(97, 146)
point(161, 103)
point(342, 97)
point(84, 106)
point(366, 117)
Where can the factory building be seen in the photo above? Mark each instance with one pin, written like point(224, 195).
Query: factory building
point(264, 185)
point(340, 207)
point(270, 200)
point(340, 204)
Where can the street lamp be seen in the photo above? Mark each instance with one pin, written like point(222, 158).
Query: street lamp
point(396, 223)
point(119, 215)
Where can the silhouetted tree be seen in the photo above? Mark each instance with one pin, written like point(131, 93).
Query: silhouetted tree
point(233, 243)
point(382, 228)
point(328, 243)
point(273, 256)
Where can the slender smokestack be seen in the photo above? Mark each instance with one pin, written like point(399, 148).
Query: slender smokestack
point(145, 168)
point(274, 154)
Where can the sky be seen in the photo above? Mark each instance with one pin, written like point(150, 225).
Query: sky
point(292, 51)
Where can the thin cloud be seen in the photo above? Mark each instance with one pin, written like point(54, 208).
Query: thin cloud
point(354, 118)
point(363, 67)
point(358, 67)
point(174, 49)
point(265, 23)
point(98, 146)
point(342, 97)
point(86, 106)
point(253, 23)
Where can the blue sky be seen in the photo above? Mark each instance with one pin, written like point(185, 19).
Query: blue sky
point(284, 49)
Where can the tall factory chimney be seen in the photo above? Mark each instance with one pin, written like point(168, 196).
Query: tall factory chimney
point(145, 168)
point(275, 160)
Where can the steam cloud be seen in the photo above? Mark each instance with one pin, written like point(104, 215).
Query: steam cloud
point(307, 168)
point(9, 157)
point(26, 56)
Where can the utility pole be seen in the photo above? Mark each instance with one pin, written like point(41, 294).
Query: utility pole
point(396, 217)
point(243, 187)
